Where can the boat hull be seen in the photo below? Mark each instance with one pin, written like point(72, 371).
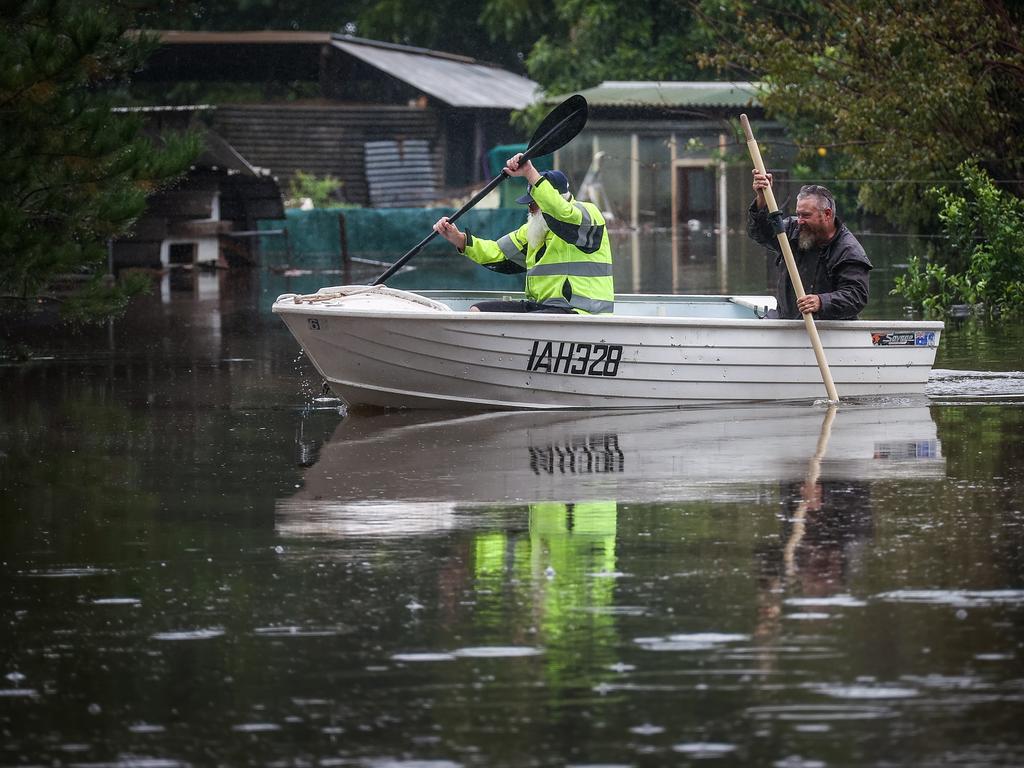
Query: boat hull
point(434, 359)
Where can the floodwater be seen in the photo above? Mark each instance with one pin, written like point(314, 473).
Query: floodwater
point(205, 561)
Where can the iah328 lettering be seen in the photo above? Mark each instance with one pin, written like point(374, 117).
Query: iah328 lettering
point(574, 357)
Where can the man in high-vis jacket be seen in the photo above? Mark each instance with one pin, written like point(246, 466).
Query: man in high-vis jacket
point(563, 248)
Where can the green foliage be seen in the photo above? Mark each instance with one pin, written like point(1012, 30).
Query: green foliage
point(905, 91)
point(983, 259)
point(73, 172)
point(320, 190)
point(597, 40)
point(499, 31)
point(926, 286)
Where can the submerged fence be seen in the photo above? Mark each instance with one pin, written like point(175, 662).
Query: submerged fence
point(331, 238)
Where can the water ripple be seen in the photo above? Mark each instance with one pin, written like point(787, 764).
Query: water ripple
point(189, 634)
point(698, 641)
point(14, 693)
point(865, 691)
point(975, 384)
point(146, 728)
point(841, 601)
point(704, 749)
point(256, 727)
point(390, 762)
point(135, 761)
point(279, 632)
point(420, 657)
point(819, 713)
point(67, 573)
point(498, 652)
point(959, 598)
point(947, 682)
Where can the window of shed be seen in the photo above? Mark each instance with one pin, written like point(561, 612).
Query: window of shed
point(181, 253)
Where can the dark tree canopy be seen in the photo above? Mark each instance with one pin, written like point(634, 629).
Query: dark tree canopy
point(602, 40)
point(73, 171)
point(903, 92)
point(237, 15)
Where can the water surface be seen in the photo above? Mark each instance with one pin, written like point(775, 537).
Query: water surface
point(204, 560)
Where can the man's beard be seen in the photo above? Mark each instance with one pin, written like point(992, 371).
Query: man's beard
point(806, 239)
point(536, 231)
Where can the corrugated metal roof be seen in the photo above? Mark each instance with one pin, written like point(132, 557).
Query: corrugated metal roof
point(459, 81)
point(454, 80)
point(676, 93)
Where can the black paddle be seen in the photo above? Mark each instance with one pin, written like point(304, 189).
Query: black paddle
point(559, 128)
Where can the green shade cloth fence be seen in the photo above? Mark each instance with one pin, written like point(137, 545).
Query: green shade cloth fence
point(313, 239)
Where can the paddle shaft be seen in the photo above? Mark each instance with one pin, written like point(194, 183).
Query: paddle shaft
point(794, 274)
point(538, 146)
point(419, 246)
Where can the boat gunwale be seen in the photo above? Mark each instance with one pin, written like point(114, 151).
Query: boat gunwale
point(323, 309)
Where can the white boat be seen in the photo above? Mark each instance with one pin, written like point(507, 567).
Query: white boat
point(379, 346)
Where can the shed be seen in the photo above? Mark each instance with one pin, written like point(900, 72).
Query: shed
point(398, 125)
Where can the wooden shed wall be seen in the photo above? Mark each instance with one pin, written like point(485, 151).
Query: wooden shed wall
point(325, 139)
point(184, 212)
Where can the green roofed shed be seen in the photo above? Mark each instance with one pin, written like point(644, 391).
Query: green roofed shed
point(663, 154)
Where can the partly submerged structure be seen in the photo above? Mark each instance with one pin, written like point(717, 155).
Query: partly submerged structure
point(210, 215)
point(657, 153)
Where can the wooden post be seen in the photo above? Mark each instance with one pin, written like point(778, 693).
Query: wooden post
point(346, 259)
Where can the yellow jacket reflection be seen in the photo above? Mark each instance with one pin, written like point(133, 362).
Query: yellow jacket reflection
point(562, 573)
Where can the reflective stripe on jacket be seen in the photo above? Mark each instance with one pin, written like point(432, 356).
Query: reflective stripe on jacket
point(571, 268)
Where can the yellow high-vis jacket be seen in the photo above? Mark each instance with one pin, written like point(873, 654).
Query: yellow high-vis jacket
point(571, 268)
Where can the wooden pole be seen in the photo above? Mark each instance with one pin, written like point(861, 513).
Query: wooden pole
point(794, 274)
point(346, 259)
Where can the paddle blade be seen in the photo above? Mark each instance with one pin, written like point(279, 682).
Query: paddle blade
point(560, 127)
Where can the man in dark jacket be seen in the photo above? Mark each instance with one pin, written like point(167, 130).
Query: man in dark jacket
point(832, 264)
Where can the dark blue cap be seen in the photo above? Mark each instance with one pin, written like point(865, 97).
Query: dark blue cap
point(557, 179)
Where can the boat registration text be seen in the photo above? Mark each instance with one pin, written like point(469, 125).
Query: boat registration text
point(573, 357)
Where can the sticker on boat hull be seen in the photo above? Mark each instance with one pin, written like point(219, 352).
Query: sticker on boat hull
point(903, 338)
point(575, 358)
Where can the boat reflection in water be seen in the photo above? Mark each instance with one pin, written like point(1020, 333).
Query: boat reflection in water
point(394, 474)
point(539, 525)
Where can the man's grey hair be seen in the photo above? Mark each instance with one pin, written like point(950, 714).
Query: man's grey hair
point(826, 200)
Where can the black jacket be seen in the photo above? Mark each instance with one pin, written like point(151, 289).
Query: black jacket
point(837, 272)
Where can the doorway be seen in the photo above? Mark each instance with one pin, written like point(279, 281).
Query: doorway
point(696, 203)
